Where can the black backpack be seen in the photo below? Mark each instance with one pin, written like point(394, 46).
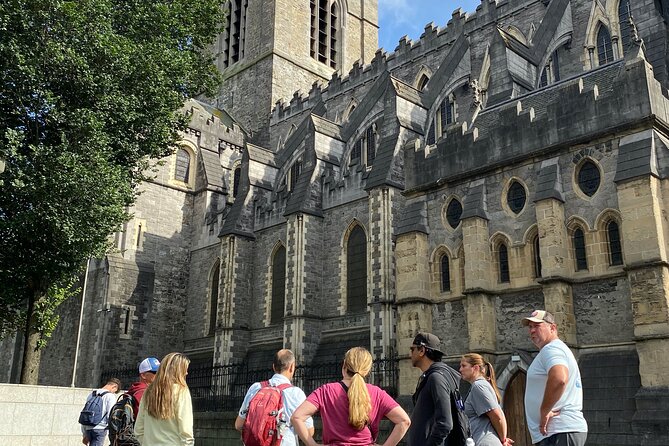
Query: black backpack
point(92, 414)
point(461, 431)
point(122, 422)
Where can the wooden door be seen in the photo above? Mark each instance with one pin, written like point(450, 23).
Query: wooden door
point(514, 410)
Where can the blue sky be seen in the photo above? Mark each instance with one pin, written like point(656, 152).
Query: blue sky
point(400, 17)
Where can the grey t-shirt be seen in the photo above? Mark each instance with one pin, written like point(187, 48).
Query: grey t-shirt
point(482, 399)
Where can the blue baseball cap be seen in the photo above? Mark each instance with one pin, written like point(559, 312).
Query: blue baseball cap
point(149, 365)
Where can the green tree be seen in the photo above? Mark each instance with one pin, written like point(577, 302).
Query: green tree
point(90, 90)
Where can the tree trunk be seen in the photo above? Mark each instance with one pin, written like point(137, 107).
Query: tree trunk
point(31, 353)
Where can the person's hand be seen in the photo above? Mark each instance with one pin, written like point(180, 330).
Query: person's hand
point(543, 423)
point(507, 442)
point(85, 440)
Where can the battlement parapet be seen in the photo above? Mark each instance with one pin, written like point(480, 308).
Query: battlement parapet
point(580, 109)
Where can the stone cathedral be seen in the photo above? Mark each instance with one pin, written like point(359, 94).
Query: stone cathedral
point(335, 194)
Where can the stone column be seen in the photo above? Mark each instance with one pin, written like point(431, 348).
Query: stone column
point(645, 246)
point(479, 304)
point(232, 322)
point(381, 316)
point(414, 308)
point(556, 267)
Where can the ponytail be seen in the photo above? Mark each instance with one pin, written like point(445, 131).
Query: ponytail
point(490, 376)
point(358, 364)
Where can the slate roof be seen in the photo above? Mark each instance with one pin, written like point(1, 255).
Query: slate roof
point(213, 170)
point(414, 218)
point(549, 184)
point(475, 203)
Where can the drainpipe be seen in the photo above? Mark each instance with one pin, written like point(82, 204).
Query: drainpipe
point(81, 318)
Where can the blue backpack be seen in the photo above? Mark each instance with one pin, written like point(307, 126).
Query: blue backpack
point(92, 413)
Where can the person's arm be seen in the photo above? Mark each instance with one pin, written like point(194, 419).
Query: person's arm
point(239, 423)
point(498, 421)
point(185, 417)
point(401, 421)
point(438, 389)
point(558, 376)
point(299, 420)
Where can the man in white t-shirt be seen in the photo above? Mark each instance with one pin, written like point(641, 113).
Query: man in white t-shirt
point(553, 394)
point(284, 369)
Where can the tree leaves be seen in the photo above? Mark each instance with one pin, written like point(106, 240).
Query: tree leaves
point(89, 90)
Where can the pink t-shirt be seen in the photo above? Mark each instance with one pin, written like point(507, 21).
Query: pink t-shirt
point(332, 402)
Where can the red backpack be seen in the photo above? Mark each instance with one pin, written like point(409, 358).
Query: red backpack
point(265, 413)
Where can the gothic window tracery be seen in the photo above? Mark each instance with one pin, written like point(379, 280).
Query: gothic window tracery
point(182, 165)
point(503, 263)
point(444, 117)
point(536, 256)
point(290, 179)
point(454, 213)
point(580, 254)
point(356, 271)
point(615, 247)
point(233, 45)
point(588, 178)
point(278, 286)
point(325, 29)
point(516, 197)
point(624, 13)
point(364, 149)
point(445, 269)
point(604, 46)
point(213, 298)
point(236, 177)
point(551, 72)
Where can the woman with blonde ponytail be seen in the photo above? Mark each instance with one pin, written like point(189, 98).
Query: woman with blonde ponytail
point(486, 418)
point(351, 409)
point(165, 411)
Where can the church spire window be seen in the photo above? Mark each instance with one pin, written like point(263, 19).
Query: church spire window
point(325, 29)
point(235, 34)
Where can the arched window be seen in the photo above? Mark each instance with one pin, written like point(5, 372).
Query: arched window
point(551, 72)
point(615, 247)
point(444, 117)
point(536, 255)
point(445, 273)
point(624, 13)
point(213, 298)
point(278, 286)
point(422, 82)
point(290, 180)
point(503, 261)
point(356, 271)
point(235, 181)
point(233, 45)
point(579, 250)
point(604, 48)
point(364, 149)
point(182, 167)
point(325, 26)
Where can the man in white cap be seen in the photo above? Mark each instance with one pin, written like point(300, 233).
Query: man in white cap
point(553, 394)
point(147, 372)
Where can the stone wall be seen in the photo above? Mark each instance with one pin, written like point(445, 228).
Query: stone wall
point(41, 415)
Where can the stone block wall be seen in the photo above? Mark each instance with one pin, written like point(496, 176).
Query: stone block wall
point(41, 415)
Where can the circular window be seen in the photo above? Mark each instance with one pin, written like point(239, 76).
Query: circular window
point(453, 213)
point(588, 178)
point(516, 197)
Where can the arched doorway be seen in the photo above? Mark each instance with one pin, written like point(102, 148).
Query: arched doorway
point(514, 410)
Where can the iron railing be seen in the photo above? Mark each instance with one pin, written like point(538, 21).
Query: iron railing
point(223, 387)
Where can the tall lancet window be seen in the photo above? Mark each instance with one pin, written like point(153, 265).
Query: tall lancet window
point(325, 30)
point(356, 271)
point(235, 34)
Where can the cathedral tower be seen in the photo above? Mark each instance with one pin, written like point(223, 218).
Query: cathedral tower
point(272, 48)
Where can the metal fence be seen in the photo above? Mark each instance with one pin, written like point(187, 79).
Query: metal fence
point(222, 387)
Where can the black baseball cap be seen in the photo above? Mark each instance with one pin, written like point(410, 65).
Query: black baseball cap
point(428, 340)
